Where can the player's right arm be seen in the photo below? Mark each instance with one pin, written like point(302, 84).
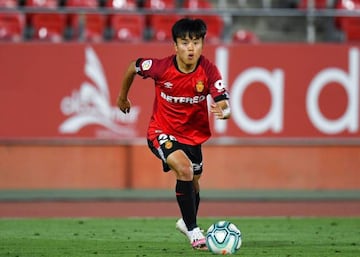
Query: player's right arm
point(123, 102)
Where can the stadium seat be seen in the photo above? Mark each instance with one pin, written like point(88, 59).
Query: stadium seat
point(9, 3)
point(48, 26)
point(122, 4)
point(87, 26)
point(350, 26)
point(160, 4)
point(215, 26)
point(318, 4)
point(127, 27)
point(42, 3)
point(82, 3)
point(197, 4)
point(161, 26)
point(11, 26)
point(215, 23)
point(45, 4)
point(244, 37)
point(45, 25)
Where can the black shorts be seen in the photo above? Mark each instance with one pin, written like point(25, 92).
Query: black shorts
point(169, 144)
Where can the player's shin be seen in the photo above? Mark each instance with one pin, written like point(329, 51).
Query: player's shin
point(185, 196)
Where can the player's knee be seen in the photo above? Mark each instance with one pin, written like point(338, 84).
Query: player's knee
point(185, 171)
point(181, 164)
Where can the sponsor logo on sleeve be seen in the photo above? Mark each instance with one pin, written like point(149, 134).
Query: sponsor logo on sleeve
point(146, 65)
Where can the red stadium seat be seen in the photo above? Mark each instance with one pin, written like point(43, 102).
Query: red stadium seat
point(215, 26)
point(46, 4)
point(43, 25)
point(88, 26)
point(197, 4)
point(121, 4)
point(161, 26)
point(151, 21)
point(244, 37)
point(319, 4)
point(215, 23)
point(160, 4)
point(82, 3)
point(42, 3)
point(49, 26)
point(127, 27)
point(8, 3)
point(11, 26)
point(350, 26)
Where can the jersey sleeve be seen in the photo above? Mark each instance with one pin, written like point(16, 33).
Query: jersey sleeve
point(218, 89)
point(149, 67)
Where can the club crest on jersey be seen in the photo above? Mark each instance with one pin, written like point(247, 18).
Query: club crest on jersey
point(199, 86)
point(168, 144)
point(146, 65)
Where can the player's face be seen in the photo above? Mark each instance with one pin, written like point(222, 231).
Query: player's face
point(188, 51)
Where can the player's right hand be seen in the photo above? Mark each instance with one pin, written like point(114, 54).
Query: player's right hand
point(123, 104)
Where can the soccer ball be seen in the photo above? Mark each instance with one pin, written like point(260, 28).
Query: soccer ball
point(223, 237)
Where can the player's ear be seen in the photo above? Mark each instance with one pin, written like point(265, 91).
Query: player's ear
point(175, 46)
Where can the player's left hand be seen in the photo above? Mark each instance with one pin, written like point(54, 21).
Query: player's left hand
point(216, 109)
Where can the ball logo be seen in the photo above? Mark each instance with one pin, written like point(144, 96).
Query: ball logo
point(199, 86)
point(168, 144)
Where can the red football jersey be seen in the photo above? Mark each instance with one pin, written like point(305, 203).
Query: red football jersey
point(180, 106)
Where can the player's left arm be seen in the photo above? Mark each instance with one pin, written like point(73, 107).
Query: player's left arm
point(221, 106)
point(221, 109)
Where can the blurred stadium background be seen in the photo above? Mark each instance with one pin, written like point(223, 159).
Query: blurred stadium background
point(237, 20)
point(55, 52)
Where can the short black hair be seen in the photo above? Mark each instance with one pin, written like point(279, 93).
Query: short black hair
point(194, 28)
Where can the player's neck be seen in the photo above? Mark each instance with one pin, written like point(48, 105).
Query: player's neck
point(184, 68)
point(187, 68)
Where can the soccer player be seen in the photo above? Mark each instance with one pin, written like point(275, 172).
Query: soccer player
point(179, 124)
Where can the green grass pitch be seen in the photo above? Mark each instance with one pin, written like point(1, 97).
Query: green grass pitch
point(157, 237)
